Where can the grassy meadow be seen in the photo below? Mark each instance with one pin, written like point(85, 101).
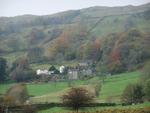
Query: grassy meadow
point(50, 92)
point(111, 91)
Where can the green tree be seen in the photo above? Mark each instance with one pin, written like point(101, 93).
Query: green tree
point(3, 66)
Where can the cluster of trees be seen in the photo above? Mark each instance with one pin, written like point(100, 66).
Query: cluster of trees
point(138, 92)
point(35, 36)
point(118, 52)
point(21, 71)
point(125, 51)
point(90, 51)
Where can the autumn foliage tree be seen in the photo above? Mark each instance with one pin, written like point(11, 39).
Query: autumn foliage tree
point(16, 94)
point(90, 50)
point(60, 46)
point(77, 98)
point(115, 65)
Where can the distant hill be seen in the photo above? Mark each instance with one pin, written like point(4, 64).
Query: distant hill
point(60, 36)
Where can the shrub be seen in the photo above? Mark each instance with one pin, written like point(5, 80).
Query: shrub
point(146, 72)
point(133, 93)
point(147, 90)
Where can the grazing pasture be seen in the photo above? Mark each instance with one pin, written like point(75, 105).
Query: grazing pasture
point(111, 88)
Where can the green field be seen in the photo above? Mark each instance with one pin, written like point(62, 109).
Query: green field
point(50, 92)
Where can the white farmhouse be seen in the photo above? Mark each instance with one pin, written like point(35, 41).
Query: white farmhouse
point(44, 72)
point(61, 69)
point(41, 72)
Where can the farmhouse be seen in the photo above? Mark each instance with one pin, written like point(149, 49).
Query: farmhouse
point(72, 74)
point(62, 69)
point(86, 71)
point(43, 72)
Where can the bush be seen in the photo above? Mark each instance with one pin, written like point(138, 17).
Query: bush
point(133, 93)
point(147, 90)
point(146, 72)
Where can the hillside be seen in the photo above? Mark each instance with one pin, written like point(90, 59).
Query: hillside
point(60, 37)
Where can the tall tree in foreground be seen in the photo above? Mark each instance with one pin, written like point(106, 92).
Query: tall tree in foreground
point(3, 66)
point(77, 98)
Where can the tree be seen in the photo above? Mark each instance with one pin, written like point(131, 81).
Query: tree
point(21, 63)
point(60, 46)
point(36, 35)
point(97, 89)
point(146, 72)
point(16, 94)
point(133, 93)
point(16, 44)
point(115, 65)
point(23, 75)
point(147, 90)
point(77, 98)
point(3, 66)
point(90, 50)
point(102, 71)
point(21, 71)
point(35, 54)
